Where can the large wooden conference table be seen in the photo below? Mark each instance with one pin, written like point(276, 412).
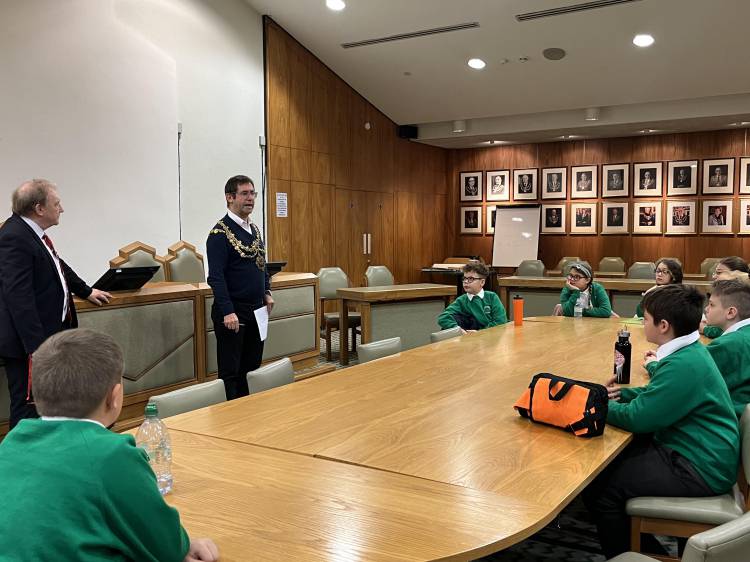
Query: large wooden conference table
point(417, 456)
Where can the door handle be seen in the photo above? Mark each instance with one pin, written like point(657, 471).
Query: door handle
point(369, 244)
point(364, 244)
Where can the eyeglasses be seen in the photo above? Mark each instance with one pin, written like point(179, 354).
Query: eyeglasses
point(472, 279)
point(662, 272)
point(574, 277)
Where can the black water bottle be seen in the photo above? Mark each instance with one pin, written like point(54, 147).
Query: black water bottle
point(622, 357)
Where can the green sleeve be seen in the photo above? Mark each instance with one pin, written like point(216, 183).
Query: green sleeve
point(139, 518)
point(627, 394)
point(651, 368)
point(445, 319)
point(568, 298)
point(712, 331)
point(727, 359)
point(600, 306)
point(497, 310)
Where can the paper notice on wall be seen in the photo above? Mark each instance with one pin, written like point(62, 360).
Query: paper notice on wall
point(281, 208)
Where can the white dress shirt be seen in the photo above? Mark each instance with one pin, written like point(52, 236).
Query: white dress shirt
point(39, 232)
point(480, 294)
point(63, 418)
point(667, 349)
point(244, 224)
point(737, 326)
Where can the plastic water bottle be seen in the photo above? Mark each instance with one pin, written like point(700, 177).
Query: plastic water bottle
point(153, 438)
point(578, 309)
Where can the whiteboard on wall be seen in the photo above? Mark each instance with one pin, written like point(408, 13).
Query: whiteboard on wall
point(516, 235)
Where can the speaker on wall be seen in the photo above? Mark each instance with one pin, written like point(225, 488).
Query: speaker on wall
point(408, 131)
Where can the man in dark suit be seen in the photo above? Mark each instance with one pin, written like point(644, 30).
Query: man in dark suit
point(36, 288)
point(237, 274)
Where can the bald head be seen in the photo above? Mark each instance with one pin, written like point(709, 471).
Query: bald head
point(37, 200)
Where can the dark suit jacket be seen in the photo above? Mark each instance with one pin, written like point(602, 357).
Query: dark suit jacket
point(31, 293)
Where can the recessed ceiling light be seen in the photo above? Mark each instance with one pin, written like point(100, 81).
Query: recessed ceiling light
point(592, 114)
point(568, 137)
point(646, 131)
point(336, 5)
point(477, 64)
point(643, 40)
point(740, 123)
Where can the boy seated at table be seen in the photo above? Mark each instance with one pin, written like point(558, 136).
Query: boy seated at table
point(73, 490)
point(687, 437)
point(729, 309)
point(581, 290)
point(476, 309)
point(732, 267)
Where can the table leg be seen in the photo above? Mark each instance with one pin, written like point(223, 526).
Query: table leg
point(504, 297)
point(343, 332)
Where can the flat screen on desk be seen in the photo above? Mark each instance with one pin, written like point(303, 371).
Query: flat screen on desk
point(516, 235)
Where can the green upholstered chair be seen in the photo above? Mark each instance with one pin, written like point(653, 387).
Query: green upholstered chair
point(184, 263)
point(642, 270)
point(378, 275)
point(445, 334)
point(530, 268)
point(377, 349)
point(331, 279)
point(683, 517)
point(270, 376)
point(190, 398)
point(678, 260)
point(612, 265)
point(708, 266)
point(566, 259)
point(138, 254)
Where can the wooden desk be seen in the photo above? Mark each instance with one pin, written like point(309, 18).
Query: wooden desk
point(407, 311)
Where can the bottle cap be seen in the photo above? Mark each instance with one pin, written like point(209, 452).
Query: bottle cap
point(517, 297)
point(152, 410)
point(623, 333)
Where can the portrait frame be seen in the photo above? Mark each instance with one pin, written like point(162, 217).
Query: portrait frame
point(563, 179)
point(607, 228)
point(744, 204)
point(639, 226)
point(490, 177)
point(677, 225)
point(707, 210)
point(473, 229)
point(489, 223)
point(576, 192)
point(532, 195)
point(575, 210)
point(608, 191)
point(639, 180)
point(548, 229)
point(709, 167)
point(673, 180)
point(463, 184)
point(744, 176)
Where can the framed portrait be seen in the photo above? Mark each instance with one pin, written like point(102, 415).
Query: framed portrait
point(744, 175)
point(489, 222)
point(681, 217)
point(717, 216)
point(583, 218)
point(744, 215)
point(616, 180)
point(471, 220)
point(470, 184)
point(718, 176)
point(647, 217)
point(682, 179)
point(553, 219)
point(583, 183)
point(498, 185)
point(647, 179)
point(524, 184)
point(554, 183)
point(615, 218)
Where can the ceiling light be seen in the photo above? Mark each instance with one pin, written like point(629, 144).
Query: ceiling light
point(477, 64)
point(740, 123)
point(643, 40)
point(553, 53)
point(568, 137)
point(336, 5)
point(592, 114)
point(646, 131)
point(459, 126)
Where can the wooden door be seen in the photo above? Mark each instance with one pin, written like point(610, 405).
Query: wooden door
point(380, 228)
point(350, 223)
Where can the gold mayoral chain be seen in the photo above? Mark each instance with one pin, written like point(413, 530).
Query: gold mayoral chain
point(254, 250)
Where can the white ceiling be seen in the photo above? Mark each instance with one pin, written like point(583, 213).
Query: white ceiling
point(700, 55)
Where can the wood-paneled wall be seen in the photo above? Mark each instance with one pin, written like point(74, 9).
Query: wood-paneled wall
point(658, 148)
point(320, 153)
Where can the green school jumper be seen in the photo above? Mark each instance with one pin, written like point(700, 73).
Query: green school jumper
point(731, 352)
point(598, 301)
point(488, 310)
point(74, 491)
point(712, 332)
point(686, 405)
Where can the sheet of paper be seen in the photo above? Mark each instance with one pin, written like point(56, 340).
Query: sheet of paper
point(281, 205)
point(261, 317)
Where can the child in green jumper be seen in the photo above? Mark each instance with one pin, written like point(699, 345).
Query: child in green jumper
point(581, 291)
point(476, 309)
point(687, 436)
point(72, 490)
point(733, 267)
point(666, 272)
point(729, 309)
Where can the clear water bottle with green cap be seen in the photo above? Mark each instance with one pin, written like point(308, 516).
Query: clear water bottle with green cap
point(153, 438)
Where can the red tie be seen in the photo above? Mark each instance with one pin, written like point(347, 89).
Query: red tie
point(50, 245)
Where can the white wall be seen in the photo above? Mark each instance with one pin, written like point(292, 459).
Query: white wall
point(91, 95)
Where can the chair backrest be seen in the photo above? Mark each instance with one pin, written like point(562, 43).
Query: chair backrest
point(566, 259)
point(377, 349)
point(377, 275)
point(138, 254)
point(190, 398)
point(745, 456)
point(612, 265)
point(331, 278)
point(708, 265)
point(568, 265)
point(729, 542)
point(530, 268)
point(270, 376)
point(642, 270)
point(184, 263)
point(678, 260)
point(445, 334)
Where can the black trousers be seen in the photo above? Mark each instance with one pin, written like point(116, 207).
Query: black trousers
point(237, 352)
point(17, 370)
point(644, 468)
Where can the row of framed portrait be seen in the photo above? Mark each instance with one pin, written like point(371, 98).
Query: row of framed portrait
point(682, 179)
point(648, 217)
